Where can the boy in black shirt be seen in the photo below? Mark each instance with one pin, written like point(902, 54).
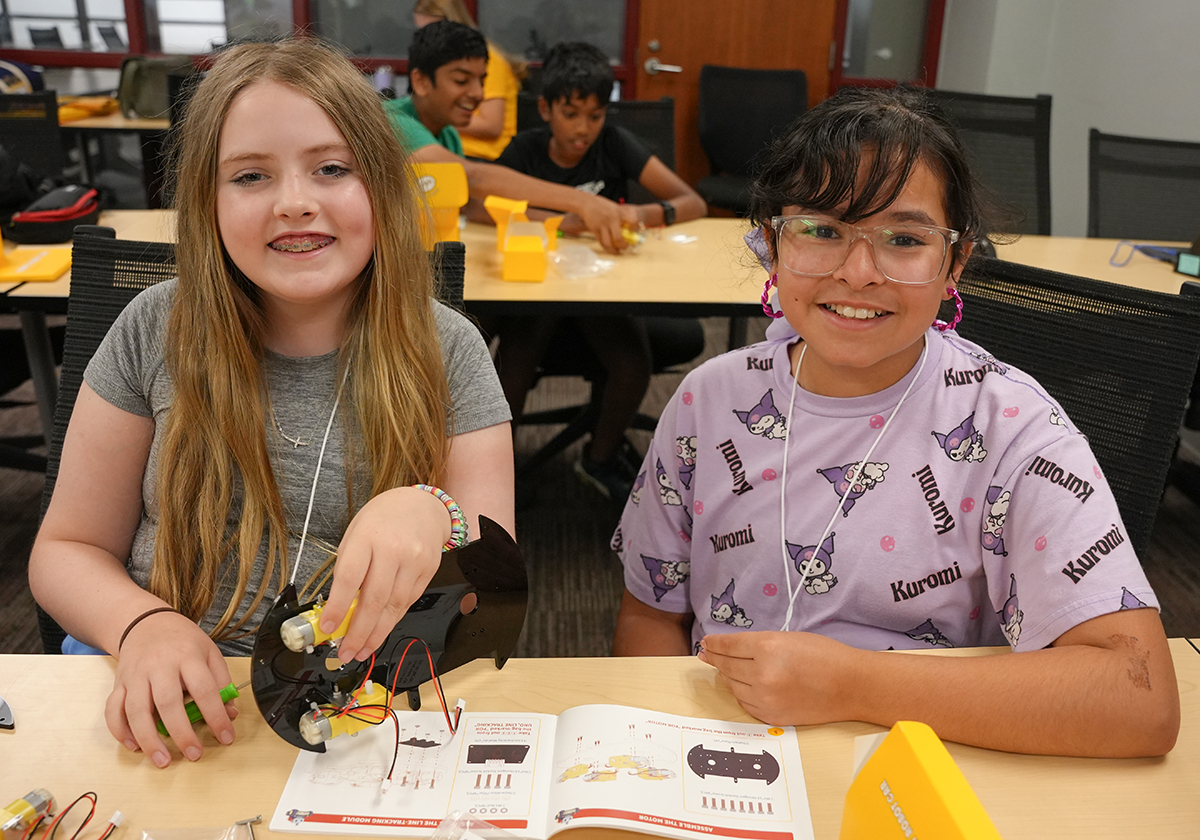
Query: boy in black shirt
point(577, 149)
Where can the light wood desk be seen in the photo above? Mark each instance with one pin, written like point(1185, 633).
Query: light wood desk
point(695, 268)
point(700, 267)
point(1090, 258)
point(60, 742)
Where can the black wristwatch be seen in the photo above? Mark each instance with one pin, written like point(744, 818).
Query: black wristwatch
point(668, 212)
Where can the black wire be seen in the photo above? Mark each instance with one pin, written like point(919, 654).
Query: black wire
point(64, 811)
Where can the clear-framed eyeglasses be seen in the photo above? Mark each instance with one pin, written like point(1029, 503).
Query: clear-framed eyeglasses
point(907, 253)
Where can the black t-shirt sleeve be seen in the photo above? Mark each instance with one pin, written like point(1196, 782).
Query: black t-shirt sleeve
point(526, 151)
point(626, 150)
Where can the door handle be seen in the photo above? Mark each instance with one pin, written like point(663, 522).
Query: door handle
point(654, 67)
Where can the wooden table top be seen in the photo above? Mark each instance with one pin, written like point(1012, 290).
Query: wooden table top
point(1091, 258)
point(60, 742)
point(696, 267)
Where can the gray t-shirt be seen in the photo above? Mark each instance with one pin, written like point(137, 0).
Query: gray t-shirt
point(129, 371)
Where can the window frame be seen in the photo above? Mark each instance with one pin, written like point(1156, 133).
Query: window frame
point(139, 43)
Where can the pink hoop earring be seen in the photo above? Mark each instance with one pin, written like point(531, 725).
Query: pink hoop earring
point(766, 297)
point(942, 325)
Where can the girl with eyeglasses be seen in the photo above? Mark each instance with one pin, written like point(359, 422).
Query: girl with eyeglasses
point(867, 480)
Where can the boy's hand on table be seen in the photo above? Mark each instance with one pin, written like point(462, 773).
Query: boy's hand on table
point(787, 679)
point(387, 556)
point(604, 218)
point(161, 659)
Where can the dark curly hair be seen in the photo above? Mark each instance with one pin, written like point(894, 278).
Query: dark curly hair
point(815, 164)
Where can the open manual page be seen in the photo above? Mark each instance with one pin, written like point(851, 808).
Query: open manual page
point(532, 774)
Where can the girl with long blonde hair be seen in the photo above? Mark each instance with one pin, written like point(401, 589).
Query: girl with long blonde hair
point(282, 407)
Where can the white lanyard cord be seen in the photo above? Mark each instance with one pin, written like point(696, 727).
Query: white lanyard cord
point(794, 593)
point(312, 495)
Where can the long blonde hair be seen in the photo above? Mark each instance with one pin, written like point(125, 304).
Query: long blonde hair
point(214, 438)
point(456, 11)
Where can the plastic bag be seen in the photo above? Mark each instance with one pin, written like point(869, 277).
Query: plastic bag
point(460, 826)
point(237, 831)
point(573, 260)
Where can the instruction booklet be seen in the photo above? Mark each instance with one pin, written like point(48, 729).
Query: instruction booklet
point(534, 774)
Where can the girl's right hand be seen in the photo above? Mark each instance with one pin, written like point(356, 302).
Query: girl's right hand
point(162, 658)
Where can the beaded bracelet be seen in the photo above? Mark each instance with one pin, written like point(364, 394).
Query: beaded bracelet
point(458, 523)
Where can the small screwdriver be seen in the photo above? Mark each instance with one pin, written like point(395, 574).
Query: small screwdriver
point(193, 711)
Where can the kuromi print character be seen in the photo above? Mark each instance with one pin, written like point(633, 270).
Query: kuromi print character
point(962, 443)
point(1056, 418)
point(858, 481)
point(764, 419)
point(635, 494)
point(993, 520)
point(1129, 601)
point(685, 450)
point(927, 632)
point(1010, 614)
point(725, 610)
point(813, 565)
point(665, 575)
point(666, 490)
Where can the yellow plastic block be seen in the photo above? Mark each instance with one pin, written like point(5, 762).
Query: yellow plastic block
point(551, 226)
point(524, 259)
point(444, 186)
point(34, 262)
point(502, 211)
point(910, 788)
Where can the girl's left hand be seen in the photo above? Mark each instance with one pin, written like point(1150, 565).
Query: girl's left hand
point(387, 556)
point(786, 679)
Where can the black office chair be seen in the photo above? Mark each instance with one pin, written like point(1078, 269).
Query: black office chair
point(1139, 188)
point(106, 274)
point(112, 39)
point(1008, 144)
point(29, 131)
point(46, 38)
point(652, 122)
point(673, 342)
point(741, 111)
point(1118, 359)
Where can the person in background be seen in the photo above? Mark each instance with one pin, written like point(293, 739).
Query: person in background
point(577, 148)
point(276, 412)
point(867, 480)
point(447, 63)
point(495, 119)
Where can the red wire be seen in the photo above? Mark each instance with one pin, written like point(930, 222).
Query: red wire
point(53, 827)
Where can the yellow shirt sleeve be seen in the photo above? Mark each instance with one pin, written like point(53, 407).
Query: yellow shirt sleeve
point(500, 83)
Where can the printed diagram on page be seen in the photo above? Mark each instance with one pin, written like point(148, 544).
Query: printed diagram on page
point(486, 770)
point(708, 772)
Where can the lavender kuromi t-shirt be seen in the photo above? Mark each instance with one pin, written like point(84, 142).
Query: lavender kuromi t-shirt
point(980, 518)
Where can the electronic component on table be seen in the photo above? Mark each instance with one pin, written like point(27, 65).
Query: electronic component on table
point(17, 818)
point(368, 707)
point(473, 607)
point(303, 631)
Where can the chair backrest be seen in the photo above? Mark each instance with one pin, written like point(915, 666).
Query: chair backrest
point(1119, 360)
point(1008, 145)
point(652, 122)
point(112, 39)
point(29, 130)
point(46, 37)
point(106, 274)
point(1140, 188)
point(743, 109)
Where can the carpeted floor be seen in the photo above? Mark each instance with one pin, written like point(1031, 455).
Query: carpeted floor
point(564, 529)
